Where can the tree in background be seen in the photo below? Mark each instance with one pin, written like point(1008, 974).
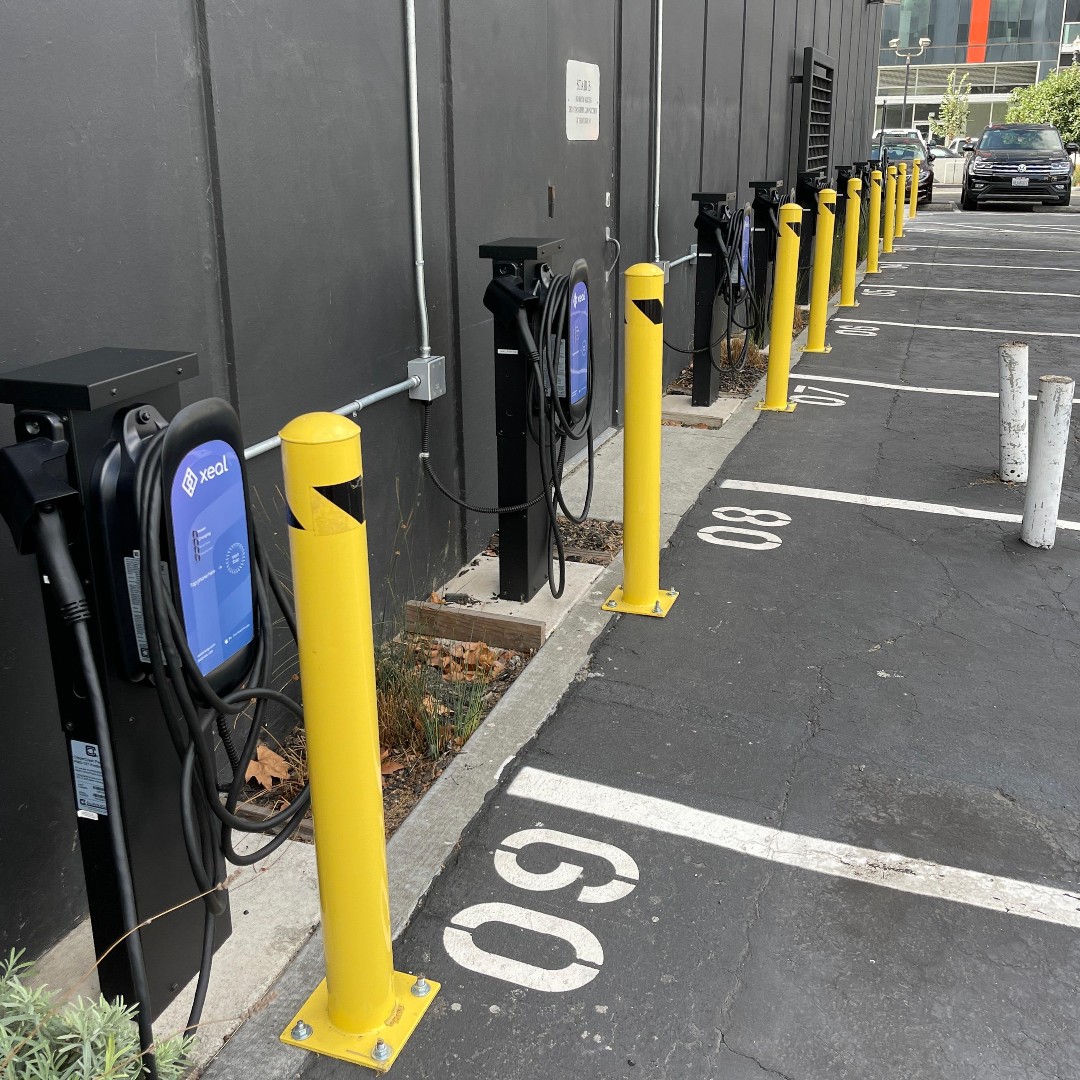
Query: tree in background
point(952, 115)
point(1055, 100)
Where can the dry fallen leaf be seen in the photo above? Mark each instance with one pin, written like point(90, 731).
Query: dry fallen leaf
point(436, 598)
point(389, 767)
point(435, 707)
point(267, 766)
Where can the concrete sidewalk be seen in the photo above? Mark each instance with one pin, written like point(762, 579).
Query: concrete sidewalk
point(826, 810)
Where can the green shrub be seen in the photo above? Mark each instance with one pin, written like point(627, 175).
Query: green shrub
point(85, 1040)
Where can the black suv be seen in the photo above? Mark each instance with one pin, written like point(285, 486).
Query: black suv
point(1018, 162)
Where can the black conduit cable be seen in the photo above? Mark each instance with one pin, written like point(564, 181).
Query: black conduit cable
point(550, 425)
point(66, 585)
point(194, 711)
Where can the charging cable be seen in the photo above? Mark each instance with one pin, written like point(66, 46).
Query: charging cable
point(551, 426)
point(195, 712)
point(55, 553)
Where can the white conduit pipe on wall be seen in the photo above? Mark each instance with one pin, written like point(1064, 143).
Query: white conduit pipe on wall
point(656, 128)
point(353, 407)
point(414, 177)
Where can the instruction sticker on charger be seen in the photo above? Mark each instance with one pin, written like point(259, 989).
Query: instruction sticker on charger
point(582, 101)
point(89, 785)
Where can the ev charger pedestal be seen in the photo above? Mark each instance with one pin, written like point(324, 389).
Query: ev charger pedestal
point(768, 195)
point(806, 195)
point(710, 265)
point(84, 399)
point(524, 545)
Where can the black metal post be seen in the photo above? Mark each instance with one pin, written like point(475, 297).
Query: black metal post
point(710, 266)
point(768, 195)
point(524, 542)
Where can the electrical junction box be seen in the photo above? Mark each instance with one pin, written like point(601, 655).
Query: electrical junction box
point(431, 370)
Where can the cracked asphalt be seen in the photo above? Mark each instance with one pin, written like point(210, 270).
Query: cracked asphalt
point(896, 681)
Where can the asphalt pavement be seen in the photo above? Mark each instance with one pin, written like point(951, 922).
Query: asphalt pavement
point(825, 811)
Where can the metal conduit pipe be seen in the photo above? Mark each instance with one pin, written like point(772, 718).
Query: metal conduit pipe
point(656, 128)
point(351, 409)
point(414, 177)
point(684, 259)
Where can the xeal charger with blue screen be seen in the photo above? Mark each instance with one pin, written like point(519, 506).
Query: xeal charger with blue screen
point(209, 539)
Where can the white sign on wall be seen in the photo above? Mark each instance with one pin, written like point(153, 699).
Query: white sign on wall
point(582, 101)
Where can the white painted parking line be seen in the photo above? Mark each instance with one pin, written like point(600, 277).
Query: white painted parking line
point(1009, 334)
point(868, 866)
point(903, 386)
point(984, 247)
point(1017, 227)
point(990, 266)
point(956, 288)
point(877, 500)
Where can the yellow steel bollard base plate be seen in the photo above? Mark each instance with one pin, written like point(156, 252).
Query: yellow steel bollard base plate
point(823, 349)
point(854, 304)
point(762, 407)
point(658, 608)
point(326, 1039)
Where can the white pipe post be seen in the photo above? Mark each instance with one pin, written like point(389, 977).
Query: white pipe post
point(414, 177)
point(1050, 440)
point(1013, 411)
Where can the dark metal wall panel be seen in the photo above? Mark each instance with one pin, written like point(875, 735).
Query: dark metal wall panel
point(109, 227)
point(105, 240)
point(635, 160)
point(724, 164)
point(785, 39)
point(508, 71)
point(756, 162)
point(311, 125)
point(685, 43)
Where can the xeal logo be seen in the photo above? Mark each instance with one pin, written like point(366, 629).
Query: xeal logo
point(191, 481)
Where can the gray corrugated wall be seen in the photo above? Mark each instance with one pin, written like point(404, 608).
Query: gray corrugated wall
point(290, 269)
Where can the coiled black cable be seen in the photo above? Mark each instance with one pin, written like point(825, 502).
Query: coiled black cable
point(194, 711)
point(550, 425)
point(737, 285)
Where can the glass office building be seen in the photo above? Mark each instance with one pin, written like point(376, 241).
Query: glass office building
point(1000, 44)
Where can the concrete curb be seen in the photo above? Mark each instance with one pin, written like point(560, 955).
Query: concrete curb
point(427, 839)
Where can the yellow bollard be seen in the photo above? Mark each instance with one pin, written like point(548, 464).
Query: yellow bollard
point(783, 311)
point(364, 1010)
point(890, 210)
point(852, 217)
point(819, 285)
point(901, 199)
point(874, 224)
point(914, 206)
point(640, 592)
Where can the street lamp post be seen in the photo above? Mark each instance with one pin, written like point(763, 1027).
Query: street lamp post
point(907, 55)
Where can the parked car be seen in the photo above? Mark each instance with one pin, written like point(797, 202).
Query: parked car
point(899, 133)
point(938, 153)
point(957, 145)
point(1018, 162)
point(900, 148)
